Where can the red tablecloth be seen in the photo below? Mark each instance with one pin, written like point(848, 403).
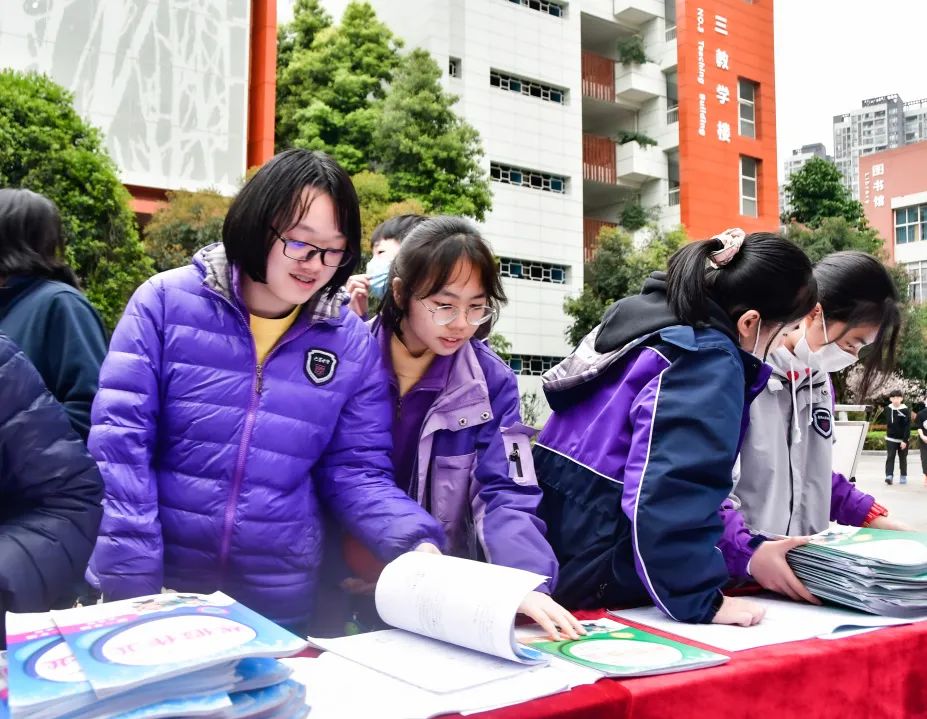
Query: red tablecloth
point(879, 675)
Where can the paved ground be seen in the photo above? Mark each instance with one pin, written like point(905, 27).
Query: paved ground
point(907, 502)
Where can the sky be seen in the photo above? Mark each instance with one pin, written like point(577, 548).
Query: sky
point(830, 56)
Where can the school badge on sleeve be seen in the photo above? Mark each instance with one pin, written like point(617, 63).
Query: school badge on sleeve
point(320, 366)
point(823, 422)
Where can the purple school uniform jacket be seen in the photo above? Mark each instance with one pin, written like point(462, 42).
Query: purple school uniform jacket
point(215, 465)
point(473, 467)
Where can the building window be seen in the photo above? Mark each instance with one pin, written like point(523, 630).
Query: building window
point(749, 177)
point(672, 175)
point(530, 270)
point(527, 87)
point(747, 90)
point(917, 284)
point(910, 224)
point(551, 8)
point(532, 365)
point(672, 97)
point(453, 66)
point(527, 178)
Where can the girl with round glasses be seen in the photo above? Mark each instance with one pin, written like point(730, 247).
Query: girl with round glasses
point(239, 397)
point(459, 447)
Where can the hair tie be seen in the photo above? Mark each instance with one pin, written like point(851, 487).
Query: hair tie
point(731, 240)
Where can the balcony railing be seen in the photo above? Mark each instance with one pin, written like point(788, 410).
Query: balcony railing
point(672, 115)
point(671, 33)
point(598, 77)
point(673, 197)
point(599, 159)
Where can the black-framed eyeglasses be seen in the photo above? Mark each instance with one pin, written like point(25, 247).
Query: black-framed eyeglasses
point(305, 251)
point(445, 314)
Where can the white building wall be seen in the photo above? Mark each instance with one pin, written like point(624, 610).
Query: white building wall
point(517, 130)
point(165, 80)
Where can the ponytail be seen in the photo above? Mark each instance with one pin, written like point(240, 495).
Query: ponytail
point(765, 272)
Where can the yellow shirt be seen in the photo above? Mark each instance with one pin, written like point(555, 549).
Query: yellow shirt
point(268, 331)
point(409, 369)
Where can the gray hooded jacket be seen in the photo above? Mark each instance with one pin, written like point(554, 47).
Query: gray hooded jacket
point(786, 484)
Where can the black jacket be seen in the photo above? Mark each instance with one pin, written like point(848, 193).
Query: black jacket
point(898, 423)
point(50, 492)
point(62, 335)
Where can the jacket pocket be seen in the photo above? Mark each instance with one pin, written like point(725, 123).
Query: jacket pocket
point(450, 497)
point(517, 442)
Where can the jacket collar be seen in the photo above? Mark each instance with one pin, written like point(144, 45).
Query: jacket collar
point(223, 277)
point(463, 400)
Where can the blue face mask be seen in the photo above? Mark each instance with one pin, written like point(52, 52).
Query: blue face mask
point(378, 272)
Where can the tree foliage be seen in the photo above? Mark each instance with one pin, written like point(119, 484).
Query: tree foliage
point(816, 192)
point(328, 89)
point(345, 90)
point(617, 269)
point(374, 193)
point(834, 234)
point(46, 147)
point(189, 221)
point(427, 151)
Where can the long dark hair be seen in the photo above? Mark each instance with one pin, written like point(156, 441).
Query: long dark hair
point(855, 288)
point(274, 196)
point(31, 240)
point(428, 257)
point(769, 274)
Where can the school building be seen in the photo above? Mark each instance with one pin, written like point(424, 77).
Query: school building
point(590, 108)
point(183, 92)
point(893, 190)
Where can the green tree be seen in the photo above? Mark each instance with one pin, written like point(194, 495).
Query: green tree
point(816, 192)
point(911, 360)
point(309, 19)
point(327, 91)
point(427, 151)
point(189, 221)
point(617, 269)
point(373, 193)
point(834, 234)
point(46, 147)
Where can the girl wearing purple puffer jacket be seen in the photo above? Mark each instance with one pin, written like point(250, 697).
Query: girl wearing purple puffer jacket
point(238, 398)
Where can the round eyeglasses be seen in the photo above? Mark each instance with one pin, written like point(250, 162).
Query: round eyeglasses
point(305, 251)
point(445, 314)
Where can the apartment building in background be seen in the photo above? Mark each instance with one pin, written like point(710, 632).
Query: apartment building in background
point(183, 92)
point(795, 162)
point(881, 123)
point(575, 133)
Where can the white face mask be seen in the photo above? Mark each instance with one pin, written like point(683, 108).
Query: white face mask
point(756, 344)
point(830, 358)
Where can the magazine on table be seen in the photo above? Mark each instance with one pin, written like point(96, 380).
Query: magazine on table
point(125, 644)
point(455, 629)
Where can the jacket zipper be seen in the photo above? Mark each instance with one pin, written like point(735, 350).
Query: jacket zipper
point(257, 386)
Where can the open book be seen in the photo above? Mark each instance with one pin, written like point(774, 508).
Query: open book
point(455, 630)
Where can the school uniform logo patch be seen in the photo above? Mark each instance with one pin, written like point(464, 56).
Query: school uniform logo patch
point(320, 366)
point(823, 422)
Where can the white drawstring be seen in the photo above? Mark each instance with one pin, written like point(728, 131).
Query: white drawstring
point(796, 430)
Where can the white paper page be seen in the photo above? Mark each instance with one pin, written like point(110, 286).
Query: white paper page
point(785, 621)
point(471, 604)
point(427, 663)
point(332, 684)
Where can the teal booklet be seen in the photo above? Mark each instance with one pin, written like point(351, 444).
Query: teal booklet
point(134, 642)
point(618, 650)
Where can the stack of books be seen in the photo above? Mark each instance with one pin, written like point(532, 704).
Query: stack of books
point(878, 571)
point(165, 655)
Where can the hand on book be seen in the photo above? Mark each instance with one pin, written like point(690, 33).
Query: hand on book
point(550, 615)
point(889, 523)
point(736, 610)
point(771, 571)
